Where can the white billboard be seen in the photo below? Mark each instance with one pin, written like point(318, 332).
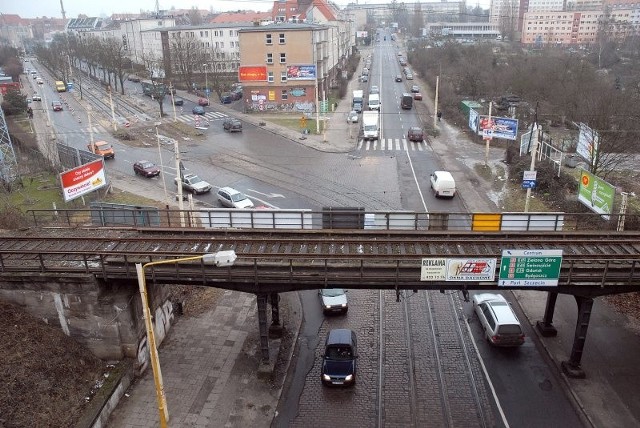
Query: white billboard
point(587, 143)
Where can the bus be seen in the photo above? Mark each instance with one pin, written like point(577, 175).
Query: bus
point(152, 89)
point(61, 86)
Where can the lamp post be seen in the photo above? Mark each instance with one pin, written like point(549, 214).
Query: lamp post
point(219, 259)
point(164, 183)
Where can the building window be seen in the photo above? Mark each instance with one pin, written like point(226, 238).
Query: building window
point(269, 58)
point(270, 76)
point(268, 39)
point(283, 76)
point(285, 95)
point(221, 45)
point(283, 58)
point(281, 38)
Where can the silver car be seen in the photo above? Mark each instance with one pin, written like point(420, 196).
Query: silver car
point(232, 198)
point(352, 117)
point(333, 300)
point(500, 324)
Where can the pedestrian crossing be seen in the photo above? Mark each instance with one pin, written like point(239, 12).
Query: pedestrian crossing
point(392, 144)
point(211, 115)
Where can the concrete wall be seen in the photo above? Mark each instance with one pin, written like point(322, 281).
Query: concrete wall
point(104, 317)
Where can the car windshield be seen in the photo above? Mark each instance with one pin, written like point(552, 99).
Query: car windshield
point(147, 165)
point(339, 353)
point(195, 179)
point(332, 292)
point(103, 146)
point(237, 197)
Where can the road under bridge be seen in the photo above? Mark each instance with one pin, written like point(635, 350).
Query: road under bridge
point(273, 261)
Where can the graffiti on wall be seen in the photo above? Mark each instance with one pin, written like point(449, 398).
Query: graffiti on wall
point(161, 324)
point(298, 107)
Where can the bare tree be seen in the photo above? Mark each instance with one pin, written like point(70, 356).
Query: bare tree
point(155, 69)
point(187, 56)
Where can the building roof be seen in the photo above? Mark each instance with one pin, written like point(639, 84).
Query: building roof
point(12, 20)
point(284, 26)
point(326, 9)
point(245, 16)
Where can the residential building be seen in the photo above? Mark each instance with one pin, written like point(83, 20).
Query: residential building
point(283, 66)
point(545, 5)
point(15, 30)
point(463, 30)
point(242, 17)
point(584, 5)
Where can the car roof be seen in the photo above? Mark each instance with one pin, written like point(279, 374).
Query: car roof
point(340, 336)
point(229, 190)
point(415, 128)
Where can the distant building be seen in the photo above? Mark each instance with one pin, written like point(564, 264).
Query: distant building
point(463, 30)
point(15, 30)
point(242, 17)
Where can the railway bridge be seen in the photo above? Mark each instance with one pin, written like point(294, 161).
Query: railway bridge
point(274, 261)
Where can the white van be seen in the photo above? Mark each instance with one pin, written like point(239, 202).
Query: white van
point(443, 184)
point(374, 102)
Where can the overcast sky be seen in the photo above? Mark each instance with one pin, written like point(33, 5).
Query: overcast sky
point(51, 8)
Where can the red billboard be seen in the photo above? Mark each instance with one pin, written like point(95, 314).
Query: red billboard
point(83, 179)
point(254, 73)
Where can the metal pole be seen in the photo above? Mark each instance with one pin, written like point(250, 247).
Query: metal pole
point(164, 183)
point(435, 104)
point(153, 351)
point(623, 211)
point(173, 101)
point(179, 172)
point(531, 168)
point(488, 138)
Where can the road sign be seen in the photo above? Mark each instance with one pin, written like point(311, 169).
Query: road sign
point(530, 268)
point(528, 184)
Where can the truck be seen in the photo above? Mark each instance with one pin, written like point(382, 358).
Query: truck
point(370, 124)
point(374, 102)
point(358, 100)
point(406, 101)
point(61, 86)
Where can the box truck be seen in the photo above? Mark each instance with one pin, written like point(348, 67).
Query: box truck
point(370, 124)
point(358, 100)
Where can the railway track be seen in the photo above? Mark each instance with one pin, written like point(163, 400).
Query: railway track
point(333, 244)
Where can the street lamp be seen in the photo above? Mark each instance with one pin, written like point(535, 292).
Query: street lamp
point(219, 259)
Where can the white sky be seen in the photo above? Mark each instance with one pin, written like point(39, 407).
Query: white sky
point(51, 8)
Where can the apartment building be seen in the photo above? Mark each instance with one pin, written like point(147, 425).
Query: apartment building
point(284, 67)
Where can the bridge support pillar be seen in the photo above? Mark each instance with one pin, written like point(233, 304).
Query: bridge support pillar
point(262, 324)
point(572, 367)
point(275, 329)
point(545, 327)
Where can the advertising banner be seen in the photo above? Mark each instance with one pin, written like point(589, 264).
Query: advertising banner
point(498, 127)
point(301, 72)
point(361, 34)
point(596, 194)
point(473, 120)
point(587, 143)
point(83, 179)
point(256, 73)
point(471, 269)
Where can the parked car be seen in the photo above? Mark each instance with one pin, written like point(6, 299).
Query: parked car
point(56, 105)
point(374, 90)
point(339, 359)
point(409, 76)
point(203, 102)
point(231, 124)
point(415, 88)
point(192, 183)
point(198, 110)
point(39, 81)
point(352, 117)
point(333, 300)
point(499, 322)
point(364, 78)
point(177, 101)
point(415, 133)
point(232, 198)
point(226, 98)
point(417, 96)
point(146, 168)
point(36, 97)
point(133, 78)
point(103, 149)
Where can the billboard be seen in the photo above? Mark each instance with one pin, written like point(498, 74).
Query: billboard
point(361, 34)
point(498, 127)
point(253, 73)
point(83, 179)
point(587, 143)
point(596, 194)
point(474, 117)
point(301, 72)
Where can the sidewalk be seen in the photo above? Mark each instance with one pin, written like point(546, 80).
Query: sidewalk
point(210, 360)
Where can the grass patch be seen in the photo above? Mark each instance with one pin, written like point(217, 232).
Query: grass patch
point(515, 199)
point(483, 171)
point(293, 123)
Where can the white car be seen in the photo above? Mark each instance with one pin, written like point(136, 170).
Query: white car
point(352, 117)
point(374, 90)
point(232, 198)
point(333, 300)
point(499, 323)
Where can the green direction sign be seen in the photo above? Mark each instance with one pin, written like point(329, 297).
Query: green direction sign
point(530, 268)
point(596, 194)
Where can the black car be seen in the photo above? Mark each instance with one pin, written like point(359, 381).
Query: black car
point(146, 168)
point(232, 125)
point(398, 78)
point(198, 110)
point(415, 134)
point(178, 101)
point(226, 98)
point(339, 359)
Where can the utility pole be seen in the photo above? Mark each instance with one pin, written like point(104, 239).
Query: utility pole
point(435, 104)
point(532, 167)
point(487, 138)
point(180, 177)
point(113, 113)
